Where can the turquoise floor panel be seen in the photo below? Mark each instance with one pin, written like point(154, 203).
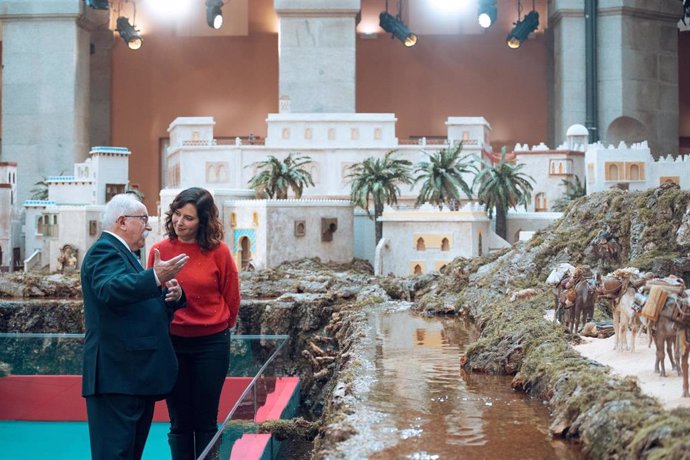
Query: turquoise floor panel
point(65, 441)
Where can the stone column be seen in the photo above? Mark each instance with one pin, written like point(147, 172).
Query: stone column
point(567, 23)
point(637, 66)
point(317, 54)
point(638, 72)
point(102, 41)
point(45, 88)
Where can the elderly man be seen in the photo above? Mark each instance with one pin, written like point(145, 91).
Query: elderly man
point(129, 362)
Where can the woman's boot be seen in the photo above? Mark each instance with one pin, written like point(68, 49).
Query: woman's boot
point(181, 446)
point(202, 439)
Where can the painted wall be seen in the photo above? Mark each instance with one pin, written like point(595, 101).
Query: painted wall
point(284, 246)
point(73, 229)
point(403, 229)
point(542, 166)
point(528, 222)
point(235, 80)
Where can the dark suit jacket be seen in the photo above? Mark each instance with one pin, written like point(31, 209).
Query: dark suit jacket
point(127, 349)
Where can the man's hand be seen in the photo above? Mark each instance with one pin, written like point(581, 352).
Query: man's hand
point(167, 269)
point(174, 291)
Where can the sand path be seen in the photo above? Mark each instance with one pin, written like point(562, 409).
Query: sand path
point(640, 364)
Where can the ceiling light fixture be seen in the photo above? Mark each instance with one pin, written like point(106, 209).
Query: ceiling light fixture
point(214, 13)
point(523, 27)
point(129, 33)
point(486, 14)
point(394, 25)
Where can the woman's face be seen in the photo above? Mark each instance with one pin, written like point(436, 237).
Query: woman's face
point(186, 223)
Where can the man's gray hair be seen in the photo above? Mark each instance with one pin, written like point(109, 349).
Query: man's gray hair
point(120, 205)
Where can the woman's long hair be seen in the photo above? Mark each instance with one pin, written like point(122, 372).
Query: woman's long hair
point(210, 232)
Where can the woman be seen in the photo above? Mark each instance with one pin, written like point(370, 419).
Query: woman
point(200, 333)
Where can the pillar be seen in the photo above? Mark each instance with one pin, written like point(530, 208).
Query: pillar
point(317, 54)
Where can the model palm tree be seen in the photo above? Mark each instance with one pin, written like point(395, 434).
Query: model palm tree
point(276, 177)
point(442, 178)
point(377, 180)
point(501, 186)
point(40, 191)
point(573, 190)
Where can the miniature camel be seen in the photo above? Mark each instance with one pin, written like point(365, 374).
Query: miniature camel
point(624, 317)
point(685, 347)
point(583, 307)
point(664, 333)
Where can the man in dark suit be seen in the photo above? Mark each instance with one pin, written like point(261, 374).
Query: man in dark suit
point(129, 362)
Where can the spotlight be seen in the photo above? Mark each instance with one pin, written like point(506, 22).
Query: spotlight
point(522, 29)
point(486, 13)
point(97, 4)
point(128, 33)
point(395, 26)
point(214, 13)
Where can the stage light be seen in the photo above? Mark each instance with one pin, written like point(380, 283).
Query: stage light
point(395, 26)
point(522, 29)
point(128, 33)
point(214, 13)
point(486, 14)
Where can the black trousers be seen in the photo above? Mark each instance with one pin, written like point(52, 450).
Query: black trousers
point(119, 425)
point(203, 365)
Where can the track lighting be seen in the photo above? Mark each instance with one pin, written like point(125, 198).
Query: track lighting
point(128, 33)
point(486, 14)
point(394, 25)
point(214, 13)
point(522, 29)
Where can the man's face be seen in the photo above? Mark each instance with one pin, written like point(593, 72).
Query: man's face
point(134, 228)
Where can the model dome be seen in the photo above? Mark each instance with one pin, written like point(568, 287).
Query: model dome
point(577, 130)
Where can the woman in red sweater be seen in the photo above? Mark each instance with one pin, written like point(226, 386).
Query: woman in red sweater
point(201, 332)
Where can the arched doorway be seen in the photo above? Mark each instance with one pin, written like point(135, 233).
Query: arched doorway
point(626, 129)
point(245, 253)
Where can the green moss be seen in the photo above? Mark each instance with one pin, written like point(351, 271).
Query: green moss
point(296, 428)
point(372, 300)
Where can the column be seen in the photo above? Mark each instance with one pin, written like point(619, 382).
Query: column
point(45, 87)
point(638, 72)
point(567, 22)
point(317, 54)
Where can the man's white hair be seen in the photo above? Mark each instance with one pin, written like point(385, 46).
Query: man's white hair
point(120, 205)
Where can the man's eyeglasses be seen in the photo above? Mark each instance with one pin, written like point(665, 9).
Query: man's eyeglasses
point(144, 219)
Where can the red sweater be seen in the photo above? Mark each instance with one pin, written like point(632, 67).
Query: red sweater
point(211, 284)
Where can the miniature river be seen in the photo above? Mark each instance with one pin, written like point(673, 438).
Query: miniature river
point(418, 403)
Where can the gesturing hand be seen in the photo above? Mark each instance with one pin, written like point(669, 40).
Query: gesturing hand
point(174, 291)
point(167, 269)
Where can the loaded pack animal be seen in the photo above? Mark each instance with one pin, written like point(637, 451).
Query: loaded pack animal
point(671, 327)
point(577, 299)
point(668, 310)
point(620, 289)
point(558, 278)
point(665, 333)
